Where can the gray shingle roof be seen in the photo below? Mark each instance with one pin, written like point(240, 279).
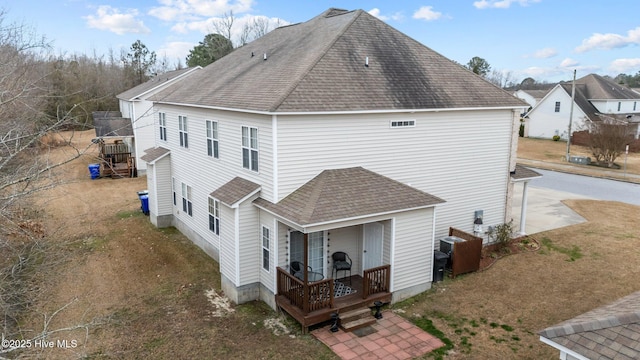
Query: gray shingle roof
point(235, 190)
point(348, 193)
point(608, 332)
point(153, 83)
point(597, 87)
point(154, 154)
point(319, 66)
point(111, 123)
point(524, 173)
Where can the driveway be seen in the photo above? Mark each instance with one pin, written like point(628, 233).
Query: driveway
point(545, 211)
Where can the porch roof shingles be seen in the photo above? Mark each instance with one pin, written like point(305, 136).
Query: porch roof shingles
point(611, 331)
point(349, 193)
point(234, 190)
point(153, 154)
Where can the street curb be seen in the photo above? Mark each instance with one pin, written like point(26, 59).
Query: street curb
point(577, 170)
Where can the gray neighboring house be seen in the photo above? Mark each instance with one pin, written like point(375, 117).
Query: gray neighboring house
point(136, 107)
point(608, 332)
point(336, 134)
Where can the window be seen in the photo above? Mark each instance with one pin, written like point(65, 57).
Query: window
point(619, 105)
point(405, 123)
point(173, 187)
point(557, 106)
point(250, 148)
point(634, 106)
point(315, 250)
point(212, 138)
point(182, 127)
point(214, 216)
point(162, 121)
point(266, 240)
point(186, 199)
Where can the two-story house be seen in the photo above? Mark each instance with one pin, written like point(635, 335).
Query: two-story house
point(595, 98)
point(135, 105)
point(339, 134)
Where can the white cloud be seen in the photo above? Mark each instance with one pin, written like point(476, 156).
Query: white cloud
point(177, 50)
point(376, 12)
point(609, 41)
point(208, 26)
point(543, 53)
point(427, 13)
point(111, 19)
point(568, 62)
point(501, 4)
point(625, 65)
point(181, 10)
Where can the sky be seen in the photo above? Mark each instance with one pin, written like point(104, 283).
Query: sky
point(543, 39)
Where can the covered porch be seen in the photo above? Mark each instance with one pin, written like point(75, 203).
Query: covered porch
point(374, 220)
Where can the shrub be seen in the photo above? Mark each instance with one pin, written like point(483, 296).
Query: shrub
point(556, 137)
point(501, 235)
point(521, 131)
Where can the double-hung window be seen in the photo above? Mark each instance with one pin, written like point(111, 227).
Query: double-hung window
point(250, 148)
point(186, 199)
point(266, 243)
point(173, 187)
point(162, 122)
point(214, 216)
point(212, 139)
point(557, 106)
point(184, 131)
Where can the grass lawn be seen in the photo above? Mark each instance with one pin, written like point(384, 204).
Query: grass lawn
point(554, 152)
point(151, 293)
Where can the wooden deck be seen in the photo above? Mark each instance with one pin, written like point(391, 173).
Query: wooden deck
point(320, 311)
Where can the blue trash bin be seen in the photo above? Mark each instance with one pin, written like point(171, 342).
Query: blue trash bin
point(144, 201)
point(94, 170)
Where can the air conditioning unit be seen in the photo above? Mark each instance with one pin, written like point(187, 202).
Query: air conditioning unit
point(585, 160)
point(446, 244)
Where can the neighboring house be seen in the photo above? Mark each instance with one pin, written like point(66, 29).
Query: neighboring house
point(608, 332)
point(135, 106)
point(595, 98)
point(336, 134)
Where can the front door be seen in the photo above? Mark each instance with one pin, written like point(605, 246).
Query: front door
point(372, 249)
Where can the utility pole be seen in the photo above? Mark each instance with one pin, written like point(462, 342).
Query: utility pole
point(573, 97)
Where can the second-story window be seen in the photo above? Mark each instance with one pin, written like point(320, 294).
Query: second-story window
point(162, 122)
point(184, 131)
point(212, 139)
point(619, 105)
point(250, 148)
point(557, 106)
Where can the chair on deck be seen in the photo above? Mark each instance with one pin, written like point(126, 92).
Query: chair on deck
point(341, 261)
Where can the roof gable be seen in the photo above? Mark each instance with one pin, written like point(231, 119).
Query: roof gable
point(597, 87)
point(155, 83)
point(338, 61)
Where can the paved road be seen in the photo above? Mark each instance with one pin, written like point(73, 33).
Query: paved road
point(596, 188)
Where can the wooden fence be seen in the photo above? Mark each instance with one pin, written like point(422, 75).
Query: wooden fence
point(466, 254)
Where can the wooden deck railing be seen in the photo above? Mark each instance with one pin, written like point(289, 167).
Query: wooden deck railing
point(376, 280)
point(307, 297)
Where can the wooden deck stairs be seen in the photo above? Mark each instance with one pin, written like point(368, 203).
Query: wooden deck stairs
point(356, 319)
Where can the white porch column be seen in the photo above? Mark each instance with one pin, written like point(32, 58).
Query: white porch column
point(523, 210)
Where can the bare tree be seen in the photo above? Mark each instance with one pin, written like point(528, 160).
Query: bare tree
point(224, 25)
point(607, 139)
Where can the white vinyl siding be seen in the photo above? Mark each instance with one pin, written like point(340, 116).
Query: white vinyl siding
point(228, 245)
point(413, 253)
point(249, 243)
point(544, 122)
point(163, 198)
point(439, 156)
